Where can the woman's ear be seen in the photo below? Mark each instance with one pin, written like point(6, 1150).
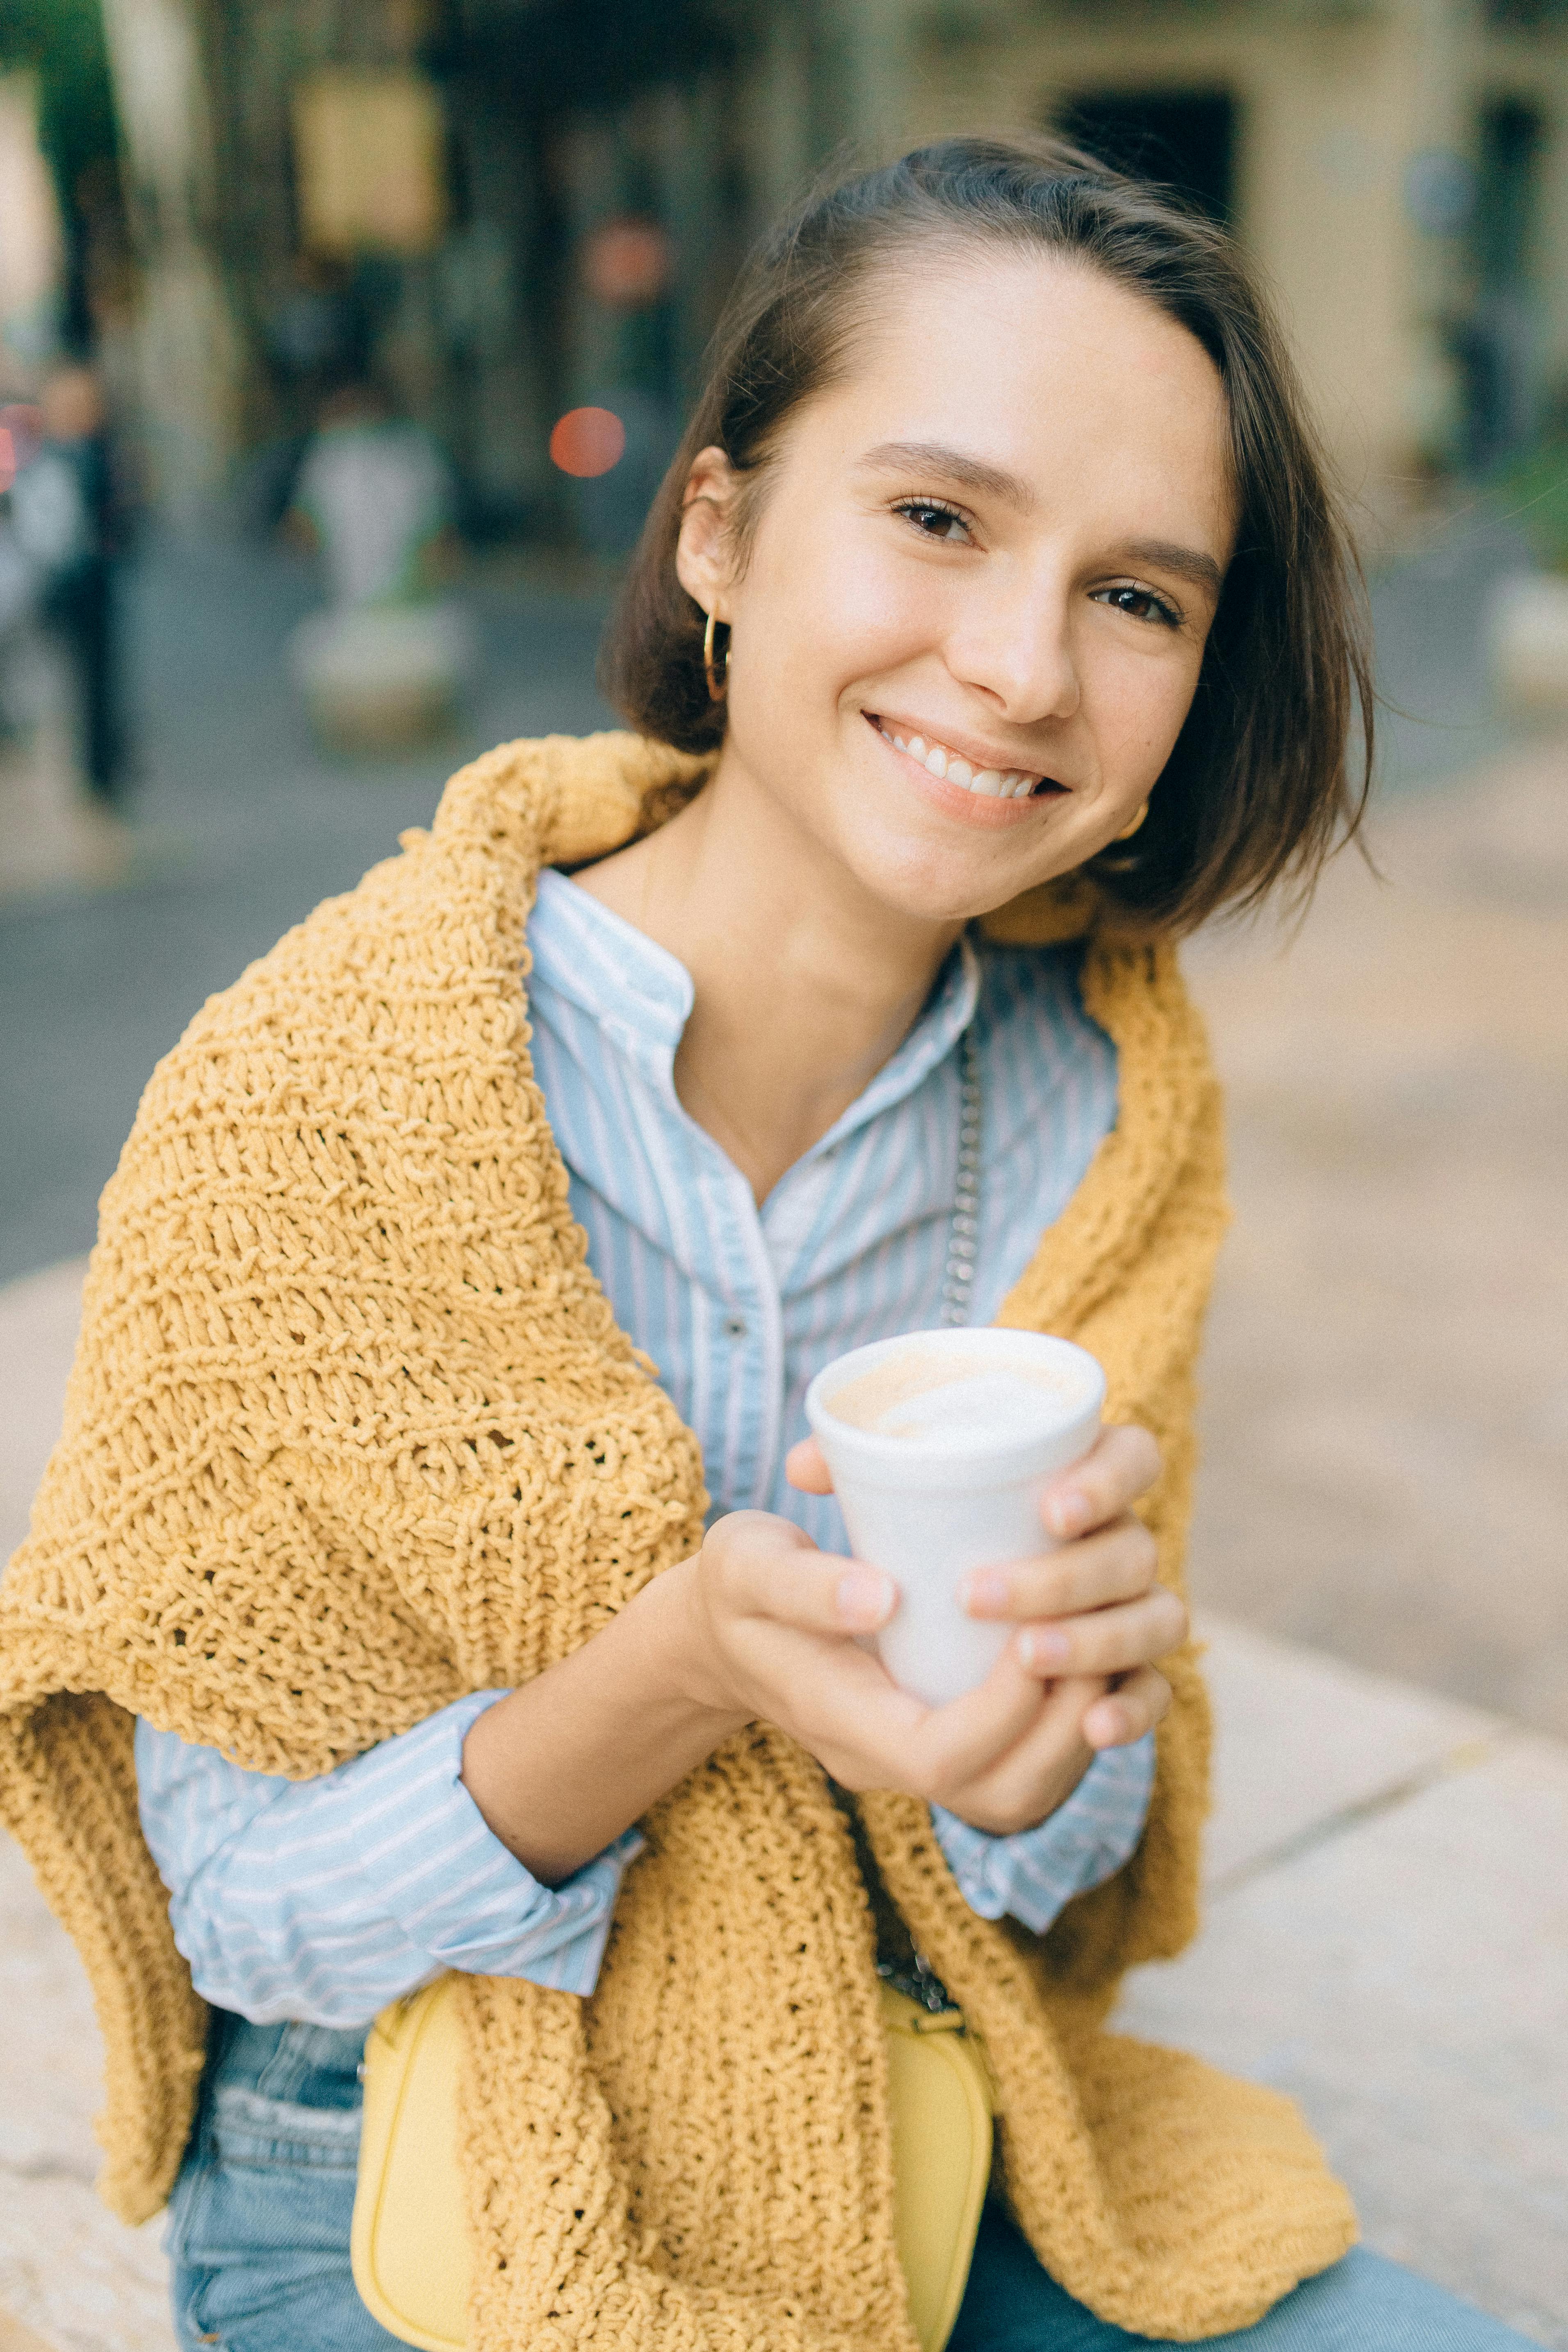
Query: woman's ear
point(703, 549)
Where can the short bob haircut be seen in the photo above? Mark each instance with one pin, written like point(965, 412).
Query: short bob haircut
point(1259, 790)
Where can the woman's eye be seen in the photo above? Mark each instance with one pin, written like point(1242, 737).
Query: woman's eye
point(932, 520)
point(1140, 604)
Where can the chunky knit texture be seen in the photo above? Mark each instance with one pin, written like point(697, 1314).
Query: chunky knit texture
point(351, 1431)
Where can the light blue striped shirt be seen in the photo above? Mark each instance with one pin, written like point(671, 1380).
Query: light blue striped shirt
point(322, 1900)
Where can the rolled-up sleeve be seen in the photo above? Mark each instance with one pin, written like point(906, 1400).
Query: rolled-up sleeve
point(1035, 1873)
point(322, 1900)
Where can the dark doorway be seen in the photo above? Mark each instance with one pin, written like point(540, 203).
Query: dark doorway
point(1181, 138)
point(1495, 341)
point(1513, 137)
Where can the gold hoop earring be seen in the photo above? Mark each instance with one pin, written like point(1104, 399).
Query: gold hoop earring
point(718, 681)
point(1128, 831)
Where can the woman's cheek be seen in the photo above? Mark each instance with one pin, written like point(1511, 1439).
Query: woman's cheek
point(1136, 709)
point(835, 617)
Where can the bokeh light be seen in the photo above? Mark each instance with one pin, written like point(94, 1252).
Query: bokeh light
point(627, 262)
point(587, 441)
point(21, 429)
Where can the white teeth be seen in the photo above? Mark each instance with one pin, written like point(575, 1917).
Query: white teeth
point(996, 783)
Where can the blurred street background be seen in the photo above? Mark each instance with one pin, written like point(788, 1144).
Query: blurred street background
point(341, 349)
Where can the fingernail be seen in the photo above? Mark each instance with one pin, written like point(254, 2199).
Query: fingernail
point(987, 1588)
point(1068, 1513)
point(1042, 1646)
point(865, 1596)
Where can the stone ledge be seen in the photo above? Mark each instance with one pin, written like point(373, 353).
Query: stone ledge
point(1387, 1940)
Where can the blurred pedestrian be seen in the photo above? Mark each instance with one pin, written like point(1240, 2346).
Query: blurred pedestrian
point(319, 334)
point(19, 585)
point(70, 523)
point(374, 496)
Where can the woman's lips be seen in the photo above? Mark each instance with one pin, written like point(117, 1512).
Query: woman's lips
point(981, 787)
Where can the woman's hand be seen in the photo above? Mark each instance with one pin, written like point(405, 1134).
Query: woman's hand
point(774, 1614)
point(760, 1624)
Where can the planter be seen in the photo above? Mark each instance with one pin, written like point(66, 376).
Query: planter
point(1527, 643)
point(382, 678)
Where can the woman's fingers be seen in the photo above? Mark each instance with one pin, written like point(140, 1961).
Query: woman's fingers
point(1121, 1465)
point(1106, 1641)
point(1116, 1564)
point(805, 1468)
point(928, 1751)
point(766, 1567)
point(1039, 1770)
point(1125, 1714)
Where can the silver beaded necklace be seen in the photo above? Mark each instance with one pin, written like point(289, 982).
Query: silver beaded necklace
point(911, 1973)
point(958, 1276)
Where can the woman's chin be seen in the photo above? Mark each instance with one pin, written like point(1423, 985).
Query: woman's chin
point(924, 883)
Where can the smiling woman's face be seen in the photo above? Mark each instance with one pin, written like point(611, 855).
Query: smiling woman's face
point(971, 619)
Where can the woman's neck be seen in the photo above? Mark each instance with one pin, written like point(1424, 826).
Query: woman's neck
point(805, 985)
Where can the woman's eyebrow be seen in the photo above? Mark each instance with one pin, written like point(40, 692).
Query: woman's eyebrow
point(1165, 555)
point(974, 474)
point(957, 465)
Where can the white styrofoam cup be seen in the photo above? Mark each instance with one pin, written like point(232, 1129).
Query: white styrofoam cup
point(930, 1509)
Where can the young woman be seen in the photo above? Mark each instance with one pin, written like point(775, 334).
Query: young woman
point(993, 627)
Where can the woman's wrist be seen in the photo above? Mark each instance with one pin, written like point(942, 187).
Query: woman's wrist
point(567, 1761)
point(692, 1665)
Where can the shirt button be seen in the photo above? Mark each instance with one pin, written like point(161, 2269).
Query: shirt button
point(735, 1327)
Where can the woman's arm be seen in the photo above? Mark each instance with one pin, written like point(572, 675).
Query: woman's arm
point(322, 1900)
point(565, 1765)
point(761, 1625)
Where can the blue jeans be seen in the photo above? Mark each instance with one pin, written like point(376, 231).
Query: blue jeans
point(258, 2237)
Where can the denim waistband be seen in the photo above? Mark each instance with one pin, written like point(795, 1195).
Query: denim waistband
point(284, 2095)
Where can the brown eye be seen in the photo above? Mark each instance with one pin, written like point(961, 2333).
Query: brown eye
point(1140, 605)
point(933, 520)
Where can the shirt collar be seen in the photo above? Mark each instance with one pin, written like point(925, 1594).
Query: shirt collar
point(636, 991)
point(641, 996)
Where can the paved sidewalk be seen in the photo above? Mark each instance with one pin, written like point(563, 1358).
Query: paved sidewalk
point(1384, 1381)
point(1387, 1939)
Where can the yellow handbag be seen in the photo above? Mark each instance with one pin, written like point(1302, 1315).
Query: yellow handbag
point(410, 2246)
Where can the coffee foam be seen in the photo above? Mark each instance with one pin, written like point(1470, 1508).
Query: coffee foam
point(945, 1395)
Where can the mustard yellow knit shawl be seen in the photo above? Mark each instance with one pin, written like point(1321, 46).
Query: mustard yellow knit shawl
point(351, 1431)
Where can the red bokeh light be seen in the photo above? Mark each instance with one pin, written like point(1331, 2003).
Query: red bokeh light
point(587, 441)
point(21, 429)
point(627, 262)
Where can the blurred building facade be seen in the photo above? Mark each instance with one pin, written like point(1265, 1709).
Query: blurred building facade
point(510, 208)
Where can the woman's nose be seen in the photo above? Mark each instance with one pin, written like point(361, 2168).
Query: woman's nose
point(1021, 655)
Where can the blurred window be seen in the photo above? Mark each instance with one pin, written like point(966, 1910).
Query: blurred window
point(370, 161)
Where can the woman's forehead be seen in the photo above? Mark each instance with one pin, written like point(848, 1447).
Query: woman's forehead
point(1033, 372)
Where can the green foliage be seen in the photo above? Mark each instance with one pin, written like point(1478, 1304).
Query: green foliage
point(62, 42)
point(1533, 492)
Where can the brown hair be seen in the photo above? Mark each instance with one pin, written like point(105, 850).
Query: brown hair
point(1258, 789)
